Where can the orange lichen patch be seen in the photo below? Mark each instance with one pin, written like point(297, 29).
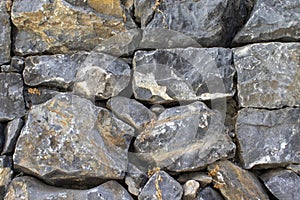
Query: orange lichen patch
point(153, 171)
point(218, 185)
point(214, 171)
point(109, 7)
point(34, 91)
point(158, 190)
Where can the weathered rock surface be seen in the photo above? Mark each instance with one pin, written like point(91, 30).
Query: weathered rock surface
point(35, 96)
point(101, 76)
point(63, 26)
point(283, 184)
point(4, 32)
point(268, 138)
point(218, 22)
point(236, 183)
point(185, 138)
point(5, 174)
point(161, 186)
point(190, 189)
point(208, 194)
point(131, 111)
point(183, 74)
point(68, 140)
point(11, 96)
point(11, 133)
point(201, 177)
point(53, 70)
point(30, 188)
point(16, 65)
point(268, 74)
point(271, 20)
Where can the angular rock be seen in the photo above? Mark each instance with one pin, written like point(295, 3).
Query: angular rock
point(183, 74)
point(201, 177)
point(217, 26)
point(68, 140)
point(53, 70)
point(283, 184)
point(11, 96)
point(35, 96)
point(131, 111)
point(12, 132)
point(5, 32)
point(82, 24)
point(185, 138)
point(135, 179)
point(268, 75)
point(16, 65)
point(236, 183)
point(208, 194)
point(190, 189)
point(101, 76)
point(30, 188)
point(161, 186)
point(5, 174)
point(268, 138)
point(271, 20)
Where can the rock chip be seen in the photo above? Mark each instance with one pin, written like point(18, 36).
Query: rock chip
point(5, 174)
point(283, 184)
point(208, 193)
point(218, 22)
point(185, 138)
point(268, 74)
point(101, 76)
point(11, 133)
point(161, 186)
point(52, 70)
point(30, 188)
point(236, 183)
point(271, 20)
point(11, 96)
point(183, 74)
point(131, 111)
point(82, 24)
point(201, 177)
point(190, 189)
point(268, 137)
point(4, 32)
point(68, 140)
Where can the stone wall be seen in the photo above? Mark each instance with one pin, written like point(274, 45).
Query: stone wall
point(145, 99)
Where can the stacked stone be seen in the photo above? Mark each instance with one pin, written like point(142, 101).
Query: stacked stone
point(149, 99)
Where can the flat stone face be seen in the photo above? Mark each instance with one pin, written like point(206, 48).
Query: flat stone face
point(283, 184)
point(268, 138)
point(11, 96)
point(183, 74)
point(185, 138)
point(271, 20)
point(30, 188)
point(68, 140)
point(236, 183)
point(11, 133)
point(218, 20)
point(4, 33)
point(101, 76)
point(62, 26)
point(54, 70)
point(161, 186)
point(268, 75)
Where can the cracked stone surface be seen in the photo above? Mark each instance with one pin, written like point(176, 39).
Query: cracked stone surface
point(53, 70)
point(5, 40)
point(236, 183)
point(218, 22)
point(268, 75)
point(283, 184)
point(268, 137)
point(82, 24)
point(68, 140)
point(161, 186)
point(101, 76)
point(185, 138)
point(30, 188)
point(11, 96)
point(162, 76)
point(271, 20)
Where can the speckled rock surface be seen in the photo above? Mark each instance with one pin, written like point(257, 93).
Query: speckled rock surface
point(268, 75)
point(271, 20)
point(269, 138)
point(183, 74)
point(69, 140)
point(5, 44)
point(30, 188)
